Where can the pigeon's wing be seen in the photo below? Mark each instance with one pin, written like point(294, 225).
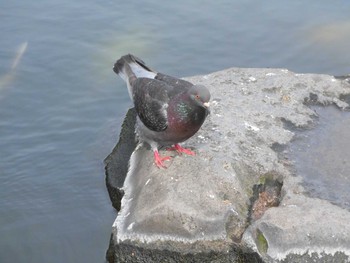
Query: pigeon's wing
point(179, 85)
point(151, 98)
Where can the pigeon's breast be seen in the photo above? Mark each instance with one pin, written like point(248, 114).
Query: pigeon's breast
point(182, 127)
point(176, 132)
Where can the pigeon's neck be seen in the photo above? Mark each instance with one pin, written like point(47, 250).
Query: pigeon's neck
point(184, 111)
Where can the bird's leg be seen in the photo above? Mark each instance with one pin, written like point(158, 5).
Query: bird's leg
point(180, 149)
point(159, 160)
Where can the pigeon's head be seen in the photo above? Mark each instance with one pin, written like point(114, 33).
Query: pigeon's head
point(200, 95)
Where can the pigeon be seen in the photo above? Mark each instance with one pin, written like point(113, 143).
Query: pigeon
point(169, 110)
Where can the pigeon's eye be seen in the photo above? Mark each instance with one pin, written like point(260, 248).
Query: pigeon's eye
point(197, 96)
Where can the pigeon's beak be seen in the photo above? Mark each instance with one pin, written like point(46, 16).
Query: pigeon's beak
point(206, 104)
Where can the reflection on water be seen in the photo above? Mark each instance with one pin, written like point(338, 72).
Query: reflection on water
point(332, 35)
point(322, 156)
point(20, 51)
point(332, 39)
point(113, 46)
point(7, 78)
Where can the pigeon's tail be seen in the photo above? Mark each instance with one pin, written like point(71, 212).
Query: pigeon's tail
point(130, 67)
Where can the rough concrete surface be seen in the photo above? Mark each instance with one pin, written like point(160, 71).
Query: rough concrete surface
point(237, 200)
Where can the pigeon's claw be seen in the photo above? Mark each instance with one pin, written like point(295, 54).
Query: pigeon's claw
point(159, 160)
point(180, 149)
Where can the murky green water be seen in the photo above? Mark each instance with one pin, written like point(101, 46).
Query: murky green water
point(321, 156)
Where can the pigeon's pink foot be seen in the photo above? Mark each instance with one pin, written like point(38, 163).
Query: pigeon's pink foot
point(180, 150)
point(159, 160)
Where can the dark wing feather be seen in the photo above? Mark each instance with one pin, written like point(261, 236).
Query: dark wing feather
point(179, 85)
point(151, 98)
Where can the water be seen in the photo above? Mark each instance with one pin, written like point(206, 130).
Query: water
point(321, 156)
point(61, 106)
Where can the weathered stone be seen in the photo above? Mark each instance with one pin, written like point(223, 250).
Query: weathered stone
point(226, 203)
point(117, 163)
point(301, 229)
